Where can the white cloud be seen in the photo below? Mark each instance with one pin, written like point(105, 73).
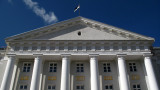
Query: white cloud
point(47, 17)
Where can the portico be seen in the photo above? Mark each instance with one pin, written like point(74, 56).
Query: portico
point(102, 57)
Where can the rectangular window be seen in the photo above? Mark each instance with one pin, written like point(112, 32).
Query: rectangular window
point(108, 87)
point(136, 87)
point(106, 67)
point(132, 67)
point(26, 67)
point(23, 87)
point(80, 87)
point(52, 67)
point(80, 67)
point(51, 87)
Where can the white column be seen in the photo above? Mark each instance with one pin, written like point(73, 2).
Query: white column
point(65, 73)
point(123, 78)
point(8, 73)
point(36, 72)
point(94, 73)
point(150, 73)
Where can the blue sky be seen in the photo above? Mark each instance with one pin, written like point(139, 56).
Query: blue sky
point(139, 16)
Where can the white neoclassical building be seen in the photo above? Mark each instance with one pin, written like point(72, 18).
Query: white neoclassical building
point(78, 54)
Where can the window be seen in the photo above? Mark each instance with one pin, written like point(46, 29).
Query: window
point(26, 67)
point(52, 67)
point(80, 87)
point(132, 67)
point(51, 87)
point(22, 87)
point(106, 67)
point(80, 67)
point(109, 87)
point(136, 87)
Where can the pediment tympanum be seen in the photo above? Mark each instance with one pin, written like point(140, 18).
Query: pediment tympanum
point(79, 28)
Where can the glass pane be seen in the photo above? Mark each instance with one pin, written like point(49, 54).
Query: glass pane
point(53, 87)
point(106, 87)
point(25, 87)
point(21, 87)
point(49, 87)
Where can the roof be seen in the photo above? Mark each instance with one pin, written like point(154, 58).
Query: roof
point(110, 31)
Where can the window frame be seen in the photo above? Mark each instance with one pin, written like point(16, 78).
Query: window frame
point(108, 86)
point(132, 66)
point(80, 85)
point(26, 71)
point(106, 66)
point(136, 86)
point(23, 86)
point(80, 68)
point(51, 86)
point(53, 70)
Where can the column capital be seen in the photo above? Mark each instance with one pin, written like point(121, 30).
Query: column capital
point(121, 55)
point(37, 55)
point(147, 54)
point(93, 55)
point(65, 55)
point(11, 55)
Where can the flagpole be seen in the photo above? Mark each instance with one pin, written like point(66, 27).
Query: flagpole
point(79, 9)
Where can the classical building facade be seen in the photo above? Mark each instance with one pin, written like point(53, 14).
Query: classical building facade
point(78, 54)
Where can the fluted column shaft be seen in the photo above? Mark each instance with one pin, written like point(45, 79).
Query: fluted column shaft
point(8, 73)
point(94, 73)
point(150, 73)
point(36, 73)
point(123, 79)
point(65, 73)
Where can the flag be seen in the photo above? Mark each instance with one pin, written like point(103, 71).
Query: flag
point(76, 8)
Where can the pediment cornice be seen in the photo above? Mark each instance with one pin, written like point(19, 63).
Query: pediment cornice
point(76, 21)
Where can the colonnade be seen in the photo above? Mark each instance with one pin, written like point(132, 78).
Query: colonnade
point(94, 73)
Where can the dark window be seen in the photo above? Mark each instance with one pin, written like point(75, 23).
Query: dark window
point(53, 67)
point(106, 67)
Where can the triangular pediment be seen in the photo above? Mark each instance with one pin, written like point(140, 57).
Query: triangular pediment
point(80, 32)
point(79, 28)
